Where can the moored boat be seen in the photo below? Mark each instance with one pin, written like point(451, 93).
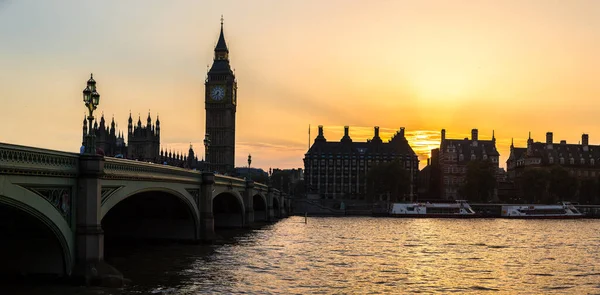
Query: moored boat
point(564, 210)
point(459, 209)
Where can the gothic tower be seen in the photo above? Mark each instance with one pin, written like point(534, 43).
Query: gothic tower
point(220, 104)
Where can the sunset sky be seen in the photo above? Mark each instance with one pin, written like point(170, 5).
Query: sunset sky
point(509, 66)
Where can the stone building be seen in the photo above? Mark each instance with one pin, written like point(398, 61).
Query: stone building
point(109, 140)
point(143, 141)
point(455, 154)
point(338, 169)
point(582, 160)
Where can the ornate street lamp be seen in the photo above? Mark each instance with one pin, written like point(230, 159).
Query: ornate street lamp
point(206, 145)
point(249, 162)
point(91, 98)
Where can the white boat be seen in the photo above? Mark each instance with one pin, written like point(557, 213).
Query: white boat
point(563, 210)
point(459, 209)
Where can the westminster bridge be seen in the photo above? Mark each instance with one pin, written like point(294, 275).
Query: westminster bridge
point(56, 208)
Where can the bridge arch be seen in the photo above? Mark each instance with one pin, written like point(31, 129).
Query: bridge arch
point(228, 209)
point(35, 228)
point(259, 203)
point(150, 213)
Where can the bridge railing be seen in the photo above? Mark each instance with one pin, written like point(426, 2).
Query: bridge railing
point(115, 168)
point(18, 159)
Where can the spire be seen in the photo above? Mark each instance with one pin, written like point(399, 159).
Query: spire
point(493, 136)
point(221, 45)
point(512, 143)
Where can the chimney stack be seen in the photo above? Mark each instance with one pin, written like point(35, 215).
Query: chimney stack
point(474, 135)
point(548, 137)
point(320, 130)
point(402, 131)
point(584, 139)
point(346, 130)
point(443, 134)
point(376, 132)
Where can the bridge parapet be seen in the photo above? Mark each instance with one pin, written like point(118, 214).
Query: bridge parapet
point(115, 168)
point(17, 159)
point(230, 182)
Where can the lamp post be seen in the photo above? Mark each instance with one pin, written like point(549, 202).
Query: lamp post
point(91, 98)
point(249, 162)
point(206, 145)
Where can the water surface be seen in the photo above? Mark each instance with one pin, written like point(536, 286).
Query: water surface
point(367, 255)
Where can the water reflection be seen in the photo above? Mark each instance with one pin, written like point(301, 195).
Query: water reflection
point(373, 255)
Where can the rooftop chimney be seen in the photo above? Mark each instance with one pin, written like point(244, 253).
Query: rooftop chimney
point(563, 142)
point(443, 134)
point(474, 134)
point(402, 131)
point(548, 137)
point(320, 130)
point(584, 139)
point(376, 131)
point(346, 130)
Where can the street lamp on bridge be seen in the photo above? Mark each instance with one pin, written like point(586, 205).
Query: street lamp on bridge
point(91, 98)
point(206, 145)
point(249, 162)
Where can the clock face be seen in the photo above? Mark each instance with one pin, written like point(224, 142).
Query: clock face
point(217, 93)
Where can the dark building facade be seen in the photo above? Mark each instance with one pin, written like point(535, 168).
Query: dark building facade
point(337, 170)
point(220, 104)
point(108, 139)
point(582, 160)
point(455, 154)
point(143, 141)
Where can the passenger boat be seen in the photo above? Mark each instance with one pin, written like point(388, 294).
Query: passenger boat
point(564, 210)
point(459, 209)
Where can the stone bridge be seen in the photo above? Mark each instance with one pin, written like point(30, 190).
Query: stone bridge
point(56, 208)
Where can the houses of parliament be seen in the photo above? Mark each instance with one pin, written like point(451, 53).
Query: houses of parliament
point(143, 140)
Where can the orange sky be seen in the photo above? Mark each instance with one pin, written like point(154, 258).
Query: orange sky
point(508, 66)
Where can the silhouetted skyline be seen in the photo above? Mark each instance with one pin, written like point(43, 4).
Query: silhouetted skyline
point(510, 66)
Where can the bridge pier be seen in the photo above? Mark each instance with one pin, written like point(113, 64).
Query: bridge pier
point(249, 203)
point(270, 211)
point(206, 226)
point(90, 267)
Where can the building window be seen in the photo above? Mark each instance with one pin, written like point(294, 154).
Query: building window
point(551, 160)
point(571, 161)
point(582, 161)
point(592, 162)
point(485, 157)
point(562, 160)
point(472, 157)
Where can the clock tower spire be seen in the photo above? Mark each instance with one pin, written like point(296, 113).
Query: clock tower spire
point(220, 100)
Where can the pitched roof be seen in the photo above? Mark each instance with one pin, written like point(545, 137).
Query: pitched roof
point(576, 151)
point(468, 147)
point(397, 146)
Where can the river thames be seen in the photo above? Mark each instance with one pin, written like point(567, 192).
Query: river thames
point(366, 255)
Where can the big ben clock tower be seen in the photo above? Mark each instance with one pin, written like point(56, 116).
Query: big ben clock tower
point(220, 104)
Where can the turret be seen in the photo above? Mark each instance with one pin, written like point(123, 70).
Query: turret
point(157, 126)
point(85, 127)
point(130, 124)
point(112, 126)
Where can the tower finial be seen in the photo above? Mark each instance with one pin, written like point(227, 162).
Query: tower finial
point(91, 75)
point(222, 21)
point(529, 135)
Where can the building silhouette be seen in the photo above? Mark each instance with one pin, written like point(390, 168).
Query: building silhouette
point(581, 160)
point(338, 170)
point(109, 140)
point(143, 141)
point(220, 104)
point(455, 154)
